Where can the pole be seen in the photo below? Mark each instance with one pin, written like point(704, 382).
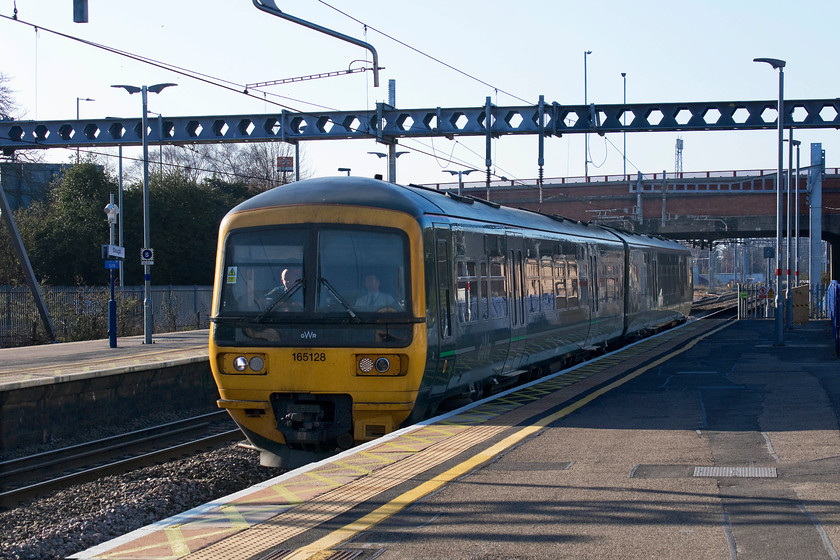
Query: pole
point(624, 123)
point(120, 204)
point(541, 146)
point(488, 127)
point(392, 147)
point(147, 270)
point(796, 213)
point(778, 310)
point(586, 134)
point(77, 120)
point(112, 304)
point(788, 292)
point(777, 302)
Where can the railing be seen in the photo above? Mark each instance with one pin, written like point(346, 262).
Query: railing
point(721, 176)
point(81, 313)
point(756, 301)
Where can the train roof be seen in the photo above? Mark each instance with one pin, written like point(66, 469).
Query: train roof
point(420, 202)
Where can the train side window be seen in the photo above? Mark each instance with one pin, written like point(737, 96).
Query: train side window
point(532, 285)
point(560, 292)
point(467, 295)
point(498, 291)
point(484, 309)
point(572, 288)
point(546, 279)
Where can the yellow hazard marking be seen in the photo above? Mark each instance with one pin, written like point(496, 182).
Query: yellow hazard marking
point(236, 519)
point(317, 549)
point(177, 541)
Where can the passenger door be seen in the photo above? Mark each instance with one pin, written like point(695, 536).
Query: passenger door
point(445, 298)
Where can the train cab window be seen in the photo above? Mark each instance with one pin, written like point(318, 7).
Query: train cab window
point(263, 270)
point(360, 270)
point(468, 292)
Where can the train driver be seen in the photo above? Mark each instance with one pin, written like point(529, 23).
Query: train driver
point(374, 300)
point(290, 280)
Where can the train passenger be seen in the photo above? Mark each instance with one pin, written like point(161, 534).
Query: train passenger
point(374, 300)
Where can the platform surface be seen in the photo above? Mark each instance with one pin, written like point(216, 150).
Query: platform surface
point(720, 446)
point(28, 366)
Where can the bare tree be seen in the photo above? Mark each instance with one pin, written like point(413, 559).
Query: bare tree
point(9, 110)
point(253, 163)
point(7, 101)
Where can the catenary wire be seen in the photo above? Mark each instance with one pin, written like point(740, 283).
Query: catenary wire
point(213, 80)
point(418, 51)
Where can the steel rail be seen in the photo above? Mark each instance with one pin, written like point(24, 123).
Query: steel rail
point(36, 474)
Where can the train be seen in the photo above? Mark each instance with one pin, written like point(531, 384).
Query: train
point(345, 307)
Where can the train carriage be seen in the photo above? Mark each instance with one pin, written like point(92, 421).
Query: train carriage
point(346, 307)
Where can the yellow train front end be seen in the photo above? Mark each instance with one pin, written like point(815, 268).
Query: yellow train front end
point(318, 338)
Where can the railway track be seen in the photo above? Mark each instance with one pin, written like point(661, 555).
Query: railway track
point(34, 475)
point(713, 303)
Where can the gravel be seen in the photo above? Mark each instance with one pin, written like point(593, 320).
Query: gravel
point(68, 521)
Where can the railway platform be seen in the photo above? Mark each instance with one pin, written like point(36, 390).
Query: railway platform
point(48, 391)
point(46, 364)
point(705, 442)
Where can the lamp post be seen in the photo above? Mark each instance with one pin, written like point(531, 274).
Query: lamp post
point(788, 259)
point(77, 118)
point(778, 311)
point(796, 144)
point(147, 271)
point(586, 134)
point(344, 170)
point(112, 211)
point(392, 163)
point(624, 123)
point(460, 175)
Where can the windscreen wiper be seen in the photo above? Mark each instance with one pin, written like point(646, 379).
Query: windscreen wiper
point(294, 288)
point(229, 319)
point(340, 299)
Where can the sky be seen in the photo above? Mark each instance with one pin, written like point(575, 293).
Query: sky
point(511, 52)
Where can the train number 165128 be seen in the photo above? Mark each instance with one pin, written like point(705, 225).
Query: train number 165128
point(309, 357)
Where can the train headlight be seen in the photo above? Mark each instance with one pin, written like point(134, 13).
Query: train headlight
point(245, 364)
point(240, 363)
point(256, 363)
point(378, 365)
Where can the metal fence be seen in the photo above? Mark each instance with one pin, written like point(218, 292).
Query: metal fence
point(81, 313)
point(756, 301)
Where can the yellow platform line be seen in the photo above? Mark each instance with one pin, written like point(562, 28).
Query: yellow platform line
point(320, 549)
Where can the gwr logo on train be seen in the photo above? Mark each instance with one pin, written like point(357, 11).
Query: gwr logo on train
point(417, 297)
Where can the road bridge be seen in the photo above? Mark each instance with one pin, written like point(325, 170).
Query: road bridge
point(698, 207)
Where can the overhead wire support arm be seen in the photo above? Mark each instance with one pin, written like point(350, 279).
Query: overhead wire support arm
point(269, 7)
point(308, 77)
